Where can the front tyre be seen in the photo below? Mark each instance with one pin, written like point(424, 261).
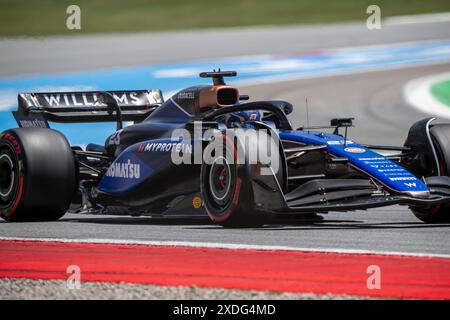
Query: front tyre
point(226, 187)
point(440, 213)
point(37, 175)
point(435, 214)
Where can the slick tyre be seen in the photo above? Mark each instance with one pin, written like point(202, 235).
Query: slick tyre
point(440, 134)
point(37, 175)
point(435, 214)
point(226, 187)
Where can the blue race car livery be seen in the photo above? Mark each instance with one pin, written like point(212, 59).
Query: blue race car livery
point(208, 151)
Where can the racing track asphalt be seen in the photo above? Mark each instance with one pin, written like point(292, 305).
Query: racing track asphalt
point(374, 99)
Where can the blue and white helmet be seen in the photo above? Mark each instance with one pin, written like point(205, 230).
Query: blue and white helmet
point(242, 116)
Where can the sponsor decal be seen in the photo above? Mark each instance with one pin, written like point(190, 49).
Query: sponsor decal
point(391, 170)
point(125, 174)
point(115, 138)
point(339, 142)
point(398, 174)
point(386, 162)
point(197, 202)
point(354, 150)
point(411, 184)
point(373, 159)
point(165, 147)
point(188, 95)
point(124, 170)
point(376, 166)
point(30, 120)
point(403, 179)
point(32, 123)
point(91, 99)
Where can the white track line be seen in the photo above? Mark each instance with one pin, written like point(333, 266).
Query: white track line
point(417, 93)
point(418, 18)
point(231, 246)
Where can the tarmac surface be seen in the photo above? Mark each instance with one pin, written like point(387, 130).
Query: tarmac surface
point(40, 56)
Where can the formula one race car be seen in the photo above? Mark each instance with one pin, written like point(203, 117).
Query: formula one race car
point(194, 154)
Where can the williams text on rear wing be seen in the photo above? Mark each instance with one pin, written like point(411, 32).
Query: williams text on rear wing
point(34, 109)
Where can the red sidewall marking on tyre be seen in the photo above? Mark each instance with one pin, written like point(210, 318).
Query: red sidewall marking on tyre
point(247, 269)
point(18, 150)
point(17, 201)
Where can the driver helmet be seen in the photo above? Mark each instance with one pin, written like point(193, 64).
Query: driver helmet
point(241, 117)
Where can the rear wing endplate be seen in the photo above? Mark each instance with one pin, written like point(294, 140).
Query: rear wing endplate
point(35, 109)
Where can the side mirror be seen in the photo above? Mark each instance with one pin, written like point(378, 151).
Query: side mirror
point(342, 122)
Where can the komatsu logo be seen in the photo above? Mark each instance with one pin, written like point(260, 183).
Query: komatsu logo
point(125, 170)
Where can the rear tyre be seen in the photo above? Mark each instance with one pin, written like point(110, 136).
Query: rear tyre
point(37, 175)
point(227, 189)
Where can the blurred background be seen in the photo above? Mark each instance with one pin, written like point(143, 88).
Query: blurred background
point(47, 17)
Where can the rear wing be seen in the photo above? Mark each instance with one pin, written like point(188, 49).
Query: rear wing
point(91, 106)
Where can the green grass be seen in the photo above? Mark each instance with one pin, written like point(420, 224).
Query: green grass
point(44, 17)
point(441, 91)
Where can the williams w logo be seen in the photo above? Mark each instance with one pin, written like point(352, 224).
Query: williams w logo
point(411, 184)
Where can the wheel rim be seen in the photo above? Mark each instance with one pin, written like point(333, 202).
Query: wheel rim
point(7, 175)
point(220, 180)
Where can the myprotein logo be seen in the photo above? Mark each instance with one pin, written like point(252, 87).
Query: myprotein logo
point(124, 170)
point(166, 147)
